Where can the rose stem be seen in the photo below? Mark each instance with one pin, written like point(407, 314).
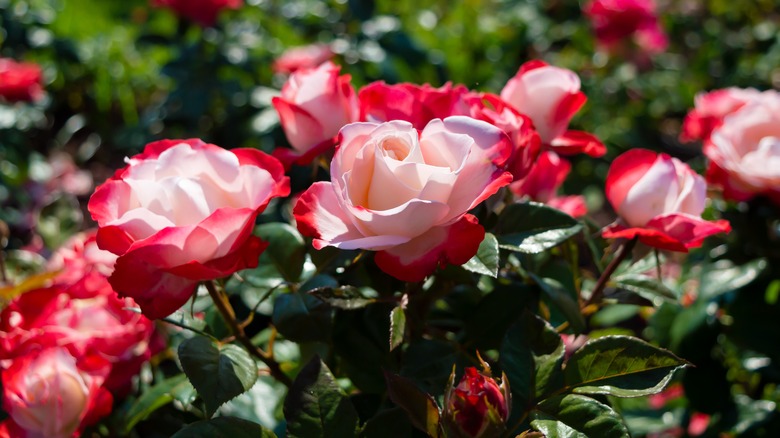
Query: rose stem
point(226, 310)
point(598, 290)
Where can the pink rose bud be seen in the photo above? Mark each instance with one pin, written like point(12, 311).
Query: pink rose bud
point(203, 12)
point(19, 81)
point(182, 212)
point(477, 407)
point(543, 182)
point(314, 105)
point(744, 151)
point(406, 194)
point(616, 20)
point(711, 108)
point(303, 57)
point(551, 96)
point(416, 104)
point(659, 200)
point(47, 394)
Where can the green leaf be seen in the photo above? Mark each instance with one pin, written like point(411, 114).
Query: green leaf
point(577, 416)
point(317, 407)
point(342, 297)
point(286, 248)
point(420, 407)
point(532, 227)
point(622, 366)
point(531, 356)
point(647, 287)
point(173, 388)
point(397, 327)
point(217, 373)
point(302, 317)
point(564, 299)
point(720, 280)
point(485, 261)
point(390, 423)
point(488, 321)
point(224, 427)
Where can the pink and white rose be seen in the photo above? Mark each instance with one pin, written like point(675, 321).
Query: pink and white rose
point(182, 212)
point(744, 151)
point(52, 394)
point(711, 108)
point(551, 96)
point(659, 200)
point(406, 193)
point(302, 57)
point(314, 104)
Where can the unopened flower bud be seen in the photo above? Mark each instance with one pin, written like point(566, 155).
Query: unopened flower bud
point(477, 407)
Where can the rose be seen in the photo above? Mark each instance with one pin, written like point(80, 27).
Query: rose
point(51, 393)
point(543, 182)
point(183, 212)
point(659, 200)
point(406, 193)
point(477, 407)
point(20, 81)
point(303, 57)
point(83, 267)
point(519, 128)
point(416, 104)
point(551, 96)
point(203, 12)
point(616, 20)
point(744, 151)
point(314, 105)
point(711, 108)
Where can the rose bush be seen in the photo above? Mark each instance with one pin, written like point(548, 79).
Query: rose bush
point(551, 96)
point(406, 193)
point(659, 200)
point(20, 81)
point(314, 104)
point(182, 212)
point(744, 151)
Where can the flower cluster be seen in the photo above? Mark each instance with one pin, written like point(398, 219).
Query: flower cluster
point(67, 349)
point(404, 177)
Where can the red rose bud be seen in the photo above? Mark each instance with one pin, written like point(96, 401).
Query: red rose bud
point(477, 407)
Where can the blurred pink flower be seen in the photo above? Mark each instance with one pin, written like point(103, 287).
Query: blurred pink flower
point(301, 57)
point(20, 81)
point(615, 20)
point(203, 12)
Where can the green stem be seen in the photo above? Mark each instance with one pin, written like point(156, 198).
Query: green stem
point(226, 310)
point(598, 290)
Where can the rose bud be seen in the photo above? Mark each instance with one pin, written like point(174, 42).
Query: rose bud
point(406, 194)
point(551, 96)
point(182, 212)
point(659, 200)
point(303, 57)
point(203, 12)
point(314, 105)
point(19, 81)
point(616, 20)
point(416, 104)
point(48, 393)
point(711, 108)
point(477, 407)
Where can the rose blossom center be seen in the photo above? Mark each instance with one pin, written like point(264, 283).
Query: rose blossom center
point(764, 161)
